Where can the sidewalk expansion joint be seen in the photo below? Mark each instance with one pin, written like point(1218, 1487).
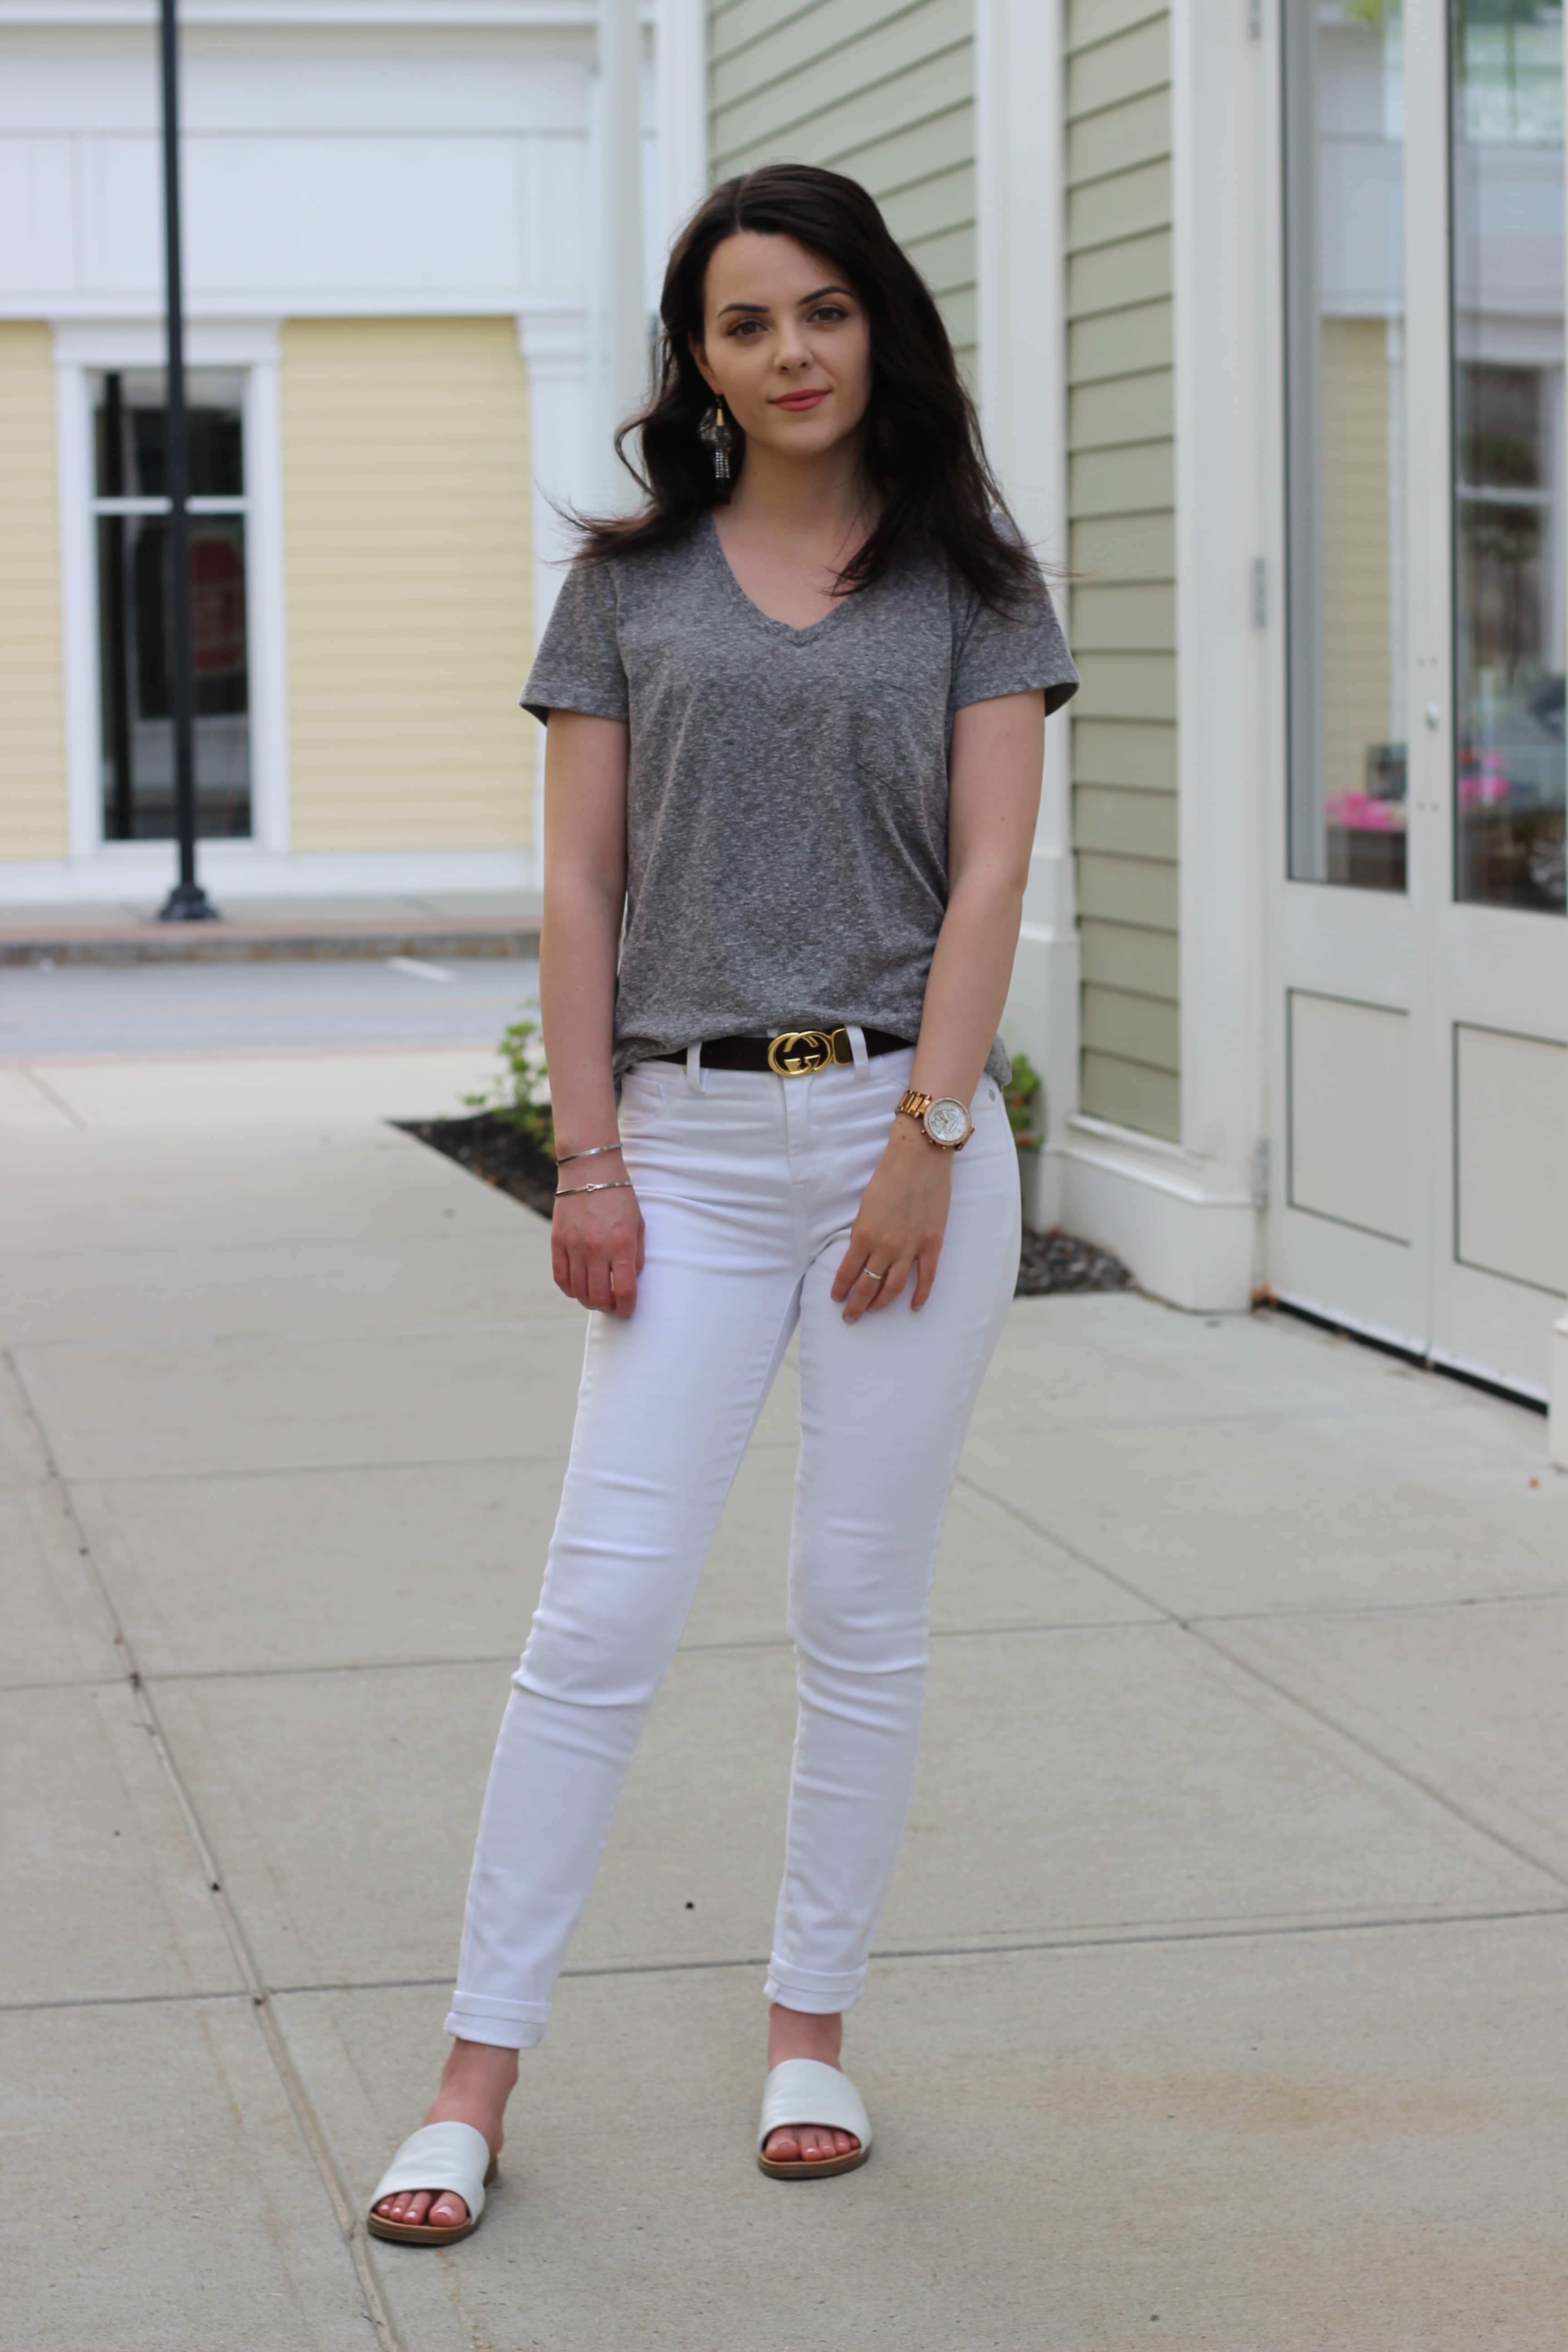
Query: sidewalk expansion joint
point(1195, 1625)
point(355, 2237)
point(1087, 1939)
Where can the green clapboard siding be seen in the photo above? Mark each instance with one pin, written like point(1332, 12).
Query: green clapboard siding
point(1120, 510)
point(883, 89)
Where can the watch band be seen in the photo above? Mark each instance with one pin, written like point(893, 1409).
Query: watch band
point(917, 1105)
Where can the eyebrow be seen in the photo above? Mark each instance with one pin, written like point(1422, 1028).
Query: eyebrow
point(763, 307)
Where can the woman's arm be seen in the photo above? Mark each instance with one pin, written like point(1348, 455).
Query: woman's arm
point(994, 797)
point(596, 1238)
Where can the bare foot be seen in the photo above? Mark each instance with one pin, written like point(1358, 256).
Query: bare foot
point(792, 2033)
point(476, 2083)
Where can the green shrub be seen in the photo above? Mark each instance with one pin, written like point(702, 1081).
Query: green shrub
point(1024, 1096)
point(520, 1096)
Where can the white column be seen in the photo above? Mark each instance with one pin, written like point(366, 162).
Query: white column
point(561, 413)
point(681, 97)
point(622, 295)
point(1023, 403)
point(265, 594)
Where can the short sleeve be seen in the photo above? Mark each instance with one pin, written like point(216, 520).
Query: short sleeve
point(995, 653)
point(578, 666)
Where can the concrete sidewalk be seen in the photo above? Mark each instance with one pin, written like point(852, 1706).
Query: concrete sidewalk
point(1221, 1998)
point(127, 931)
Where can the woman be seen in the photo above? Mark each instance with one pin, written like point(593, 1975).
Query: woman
point(795, 712)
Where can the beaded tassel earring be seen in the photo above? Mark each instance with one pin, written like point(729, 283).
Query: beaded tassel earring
point(716, 433)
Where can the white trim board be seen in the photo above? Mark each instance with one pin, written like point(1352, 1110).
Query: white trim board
point(138, 344)
point(1185, 1232)
point(1020, 270)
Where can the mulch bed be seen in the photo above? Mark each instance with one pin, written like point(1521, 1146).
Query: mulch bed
point(1058, 1261)
point(491, 1147)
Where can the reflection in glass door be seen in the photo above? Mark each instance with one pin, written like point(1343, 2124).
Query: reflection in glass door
point(1510, 548)
point(1345, 359)
point(131, 510)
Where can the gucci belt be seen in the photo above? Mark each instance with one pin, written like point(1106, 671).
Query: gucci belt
point(794, 1053)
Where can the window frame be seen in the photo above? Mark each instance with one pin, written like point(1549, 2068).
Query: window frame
point(82, 354)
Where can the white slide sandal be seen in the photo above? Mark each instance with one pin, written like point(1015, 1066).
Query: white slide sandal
point(804, 2090)
point(436, 2157)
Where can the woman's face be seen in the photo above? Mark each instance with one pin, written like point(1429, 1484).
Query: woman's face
point(786, 345)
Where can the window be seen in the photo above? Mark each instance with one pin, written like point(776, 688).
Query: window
point(1344, 300)
point(131, 509)
point(1506, 70)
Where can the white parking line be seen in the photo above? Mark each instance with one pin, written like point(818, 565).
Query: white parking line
point(417, 970)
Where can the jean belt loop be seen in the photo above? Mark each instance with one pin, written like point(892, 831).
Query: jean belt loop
point(857, 1048)
point(695, 1075)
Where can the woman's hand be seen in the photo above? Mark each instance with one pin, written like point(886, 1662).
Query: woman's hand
point(597, 1239)
point(900, 1223)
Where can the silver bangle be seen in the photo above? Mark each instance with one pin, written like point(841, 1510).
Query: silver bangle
point(622, 1184)
point(591, 1153)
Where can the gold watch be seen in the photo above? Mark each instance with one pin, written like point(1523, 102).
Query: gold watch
point(944, 1120)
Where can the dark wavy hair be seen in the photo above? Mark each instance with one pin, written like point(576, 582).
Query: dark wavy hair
point(923, 452)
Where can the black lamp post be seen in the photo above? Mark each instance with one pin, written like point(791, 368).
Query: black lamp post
point(188, 902)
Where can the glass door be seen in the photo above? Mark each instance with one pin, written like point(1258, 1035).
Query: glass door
point(1348, 1230)
point(131, 509)
point(1420, 989)
point(1500, 946)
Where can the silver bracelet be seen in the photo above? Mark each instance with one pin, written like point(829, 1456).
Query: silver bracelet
point(591, 1153)
point(622, 1184)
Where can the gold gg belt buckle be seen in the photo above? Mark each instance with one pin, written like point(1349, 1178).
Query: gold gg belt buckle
point(796, 1053)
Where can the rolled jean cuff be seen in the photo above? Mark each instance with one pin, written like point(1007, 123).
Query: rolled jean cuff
point(809, 1990)
point(504, 2025)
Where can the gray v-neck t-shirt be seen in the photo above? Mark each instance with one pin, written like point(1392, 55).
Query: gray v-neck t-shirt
point(786, 788)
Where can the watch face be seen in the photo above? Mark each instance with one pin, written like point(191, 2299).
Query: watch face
point(947, 1121)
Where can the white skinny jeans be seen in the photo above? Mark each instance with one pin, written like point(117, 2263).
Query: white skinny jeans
point(749, 1184)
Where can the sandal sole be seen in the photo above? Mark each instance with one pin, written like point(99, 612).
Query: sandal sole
point(820, 2170)
point(420, 2233)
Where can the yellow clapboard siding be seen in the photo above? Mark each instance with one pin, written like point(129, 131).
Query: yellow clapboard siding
point(1118, 618)
point(1125, 686)
point(843, 45)
point(1123, 823)
point(845, 101)
point(1140, 890)
point(407, 526)
point(1136, 131)
point(1090, 21)
point(1125, 547)
point(932, 206)
point(909, 157)
point(1120, 500)
point(1126, 408)
point(1125, 66)
point(1127, 202)
point(1130, 955)
point(34, 821)
point(1131, 1094)
point(1111, 277)
point(1134, 1028)
point(1126, 341)
point(1138, 756)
